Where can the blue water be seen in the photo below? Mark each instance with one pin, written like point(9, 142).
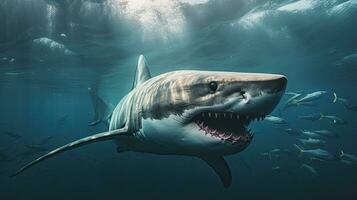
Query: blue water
point(43, 93)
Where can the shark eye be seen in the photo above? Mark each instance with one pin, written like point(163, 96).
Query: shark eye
point(213, 86)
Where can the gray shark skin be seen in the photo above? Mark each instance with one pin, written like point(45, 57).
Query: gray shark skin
point(194, 113)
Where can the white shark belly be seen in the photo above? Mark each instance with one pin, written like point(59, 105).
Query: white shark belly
point(165, 136)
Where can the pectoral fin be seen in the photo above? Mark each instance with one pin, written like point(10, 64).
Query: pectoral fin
point(84, 141)
point(220, 166)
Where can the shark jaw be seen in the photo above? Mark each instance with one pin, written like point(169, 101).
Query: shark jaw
point(226, 126)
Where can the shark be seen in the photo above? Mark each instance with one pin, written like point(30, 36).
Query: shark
point(204, 114)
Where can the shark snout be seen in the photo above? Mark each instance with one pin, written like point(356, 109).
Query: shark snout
point(270, 84)
point(260, 93)
point(279, 84)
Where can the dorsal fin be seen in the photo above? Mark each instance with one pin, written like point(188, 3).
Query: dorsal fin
point(142, 72)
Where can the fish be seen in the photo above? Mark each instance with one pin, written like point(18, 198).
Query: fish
point(325, 133)
point(266, 154)
point(294, 96)
point(291, 131)
point(346, 156)
point(312, 142)
point(311, 134)
point(279, 151)
point(275, 120)
point(311, 97)
point(334, 120)
point(276, 153)
point(317, 153)
point(347, 162)
point(297, 104)
point(311, 117)
point(346, 103)
point(310, 169)
point(49, 45)
point(270, 155)
point(13, 73)
point(276, 168)
point(204, 114)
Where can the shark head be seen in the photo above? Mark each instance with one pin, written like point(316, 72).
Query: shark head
point(203, 112)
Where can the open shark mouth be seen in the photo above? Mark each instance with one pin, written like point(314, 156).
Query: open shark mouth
point(226, 126)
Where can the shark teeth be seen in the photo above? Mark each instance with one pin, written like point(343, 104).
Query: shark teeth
point(231, 115)
point(227, 126)
point(245, 136)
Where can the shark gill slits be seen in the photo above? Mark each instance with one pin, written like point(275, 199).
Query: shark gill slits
point(213, 85)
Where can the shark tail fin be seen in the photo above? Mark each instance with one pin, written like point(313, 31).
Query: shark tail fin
point(102, 112)
point(300, 149)
point(335, 98)
point(81, 142)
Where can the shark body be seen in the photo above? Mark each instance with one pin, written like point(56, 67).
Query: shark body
point(195, 113)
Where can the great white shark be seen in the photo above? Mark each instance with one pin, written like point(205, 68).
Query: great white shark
point(194, 113)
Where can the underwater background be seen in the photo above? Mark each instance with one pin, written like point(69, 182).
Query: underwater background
point(51, 51)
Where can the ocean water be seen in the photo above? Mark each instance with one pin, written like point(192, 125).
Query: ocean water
point(52, 51)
